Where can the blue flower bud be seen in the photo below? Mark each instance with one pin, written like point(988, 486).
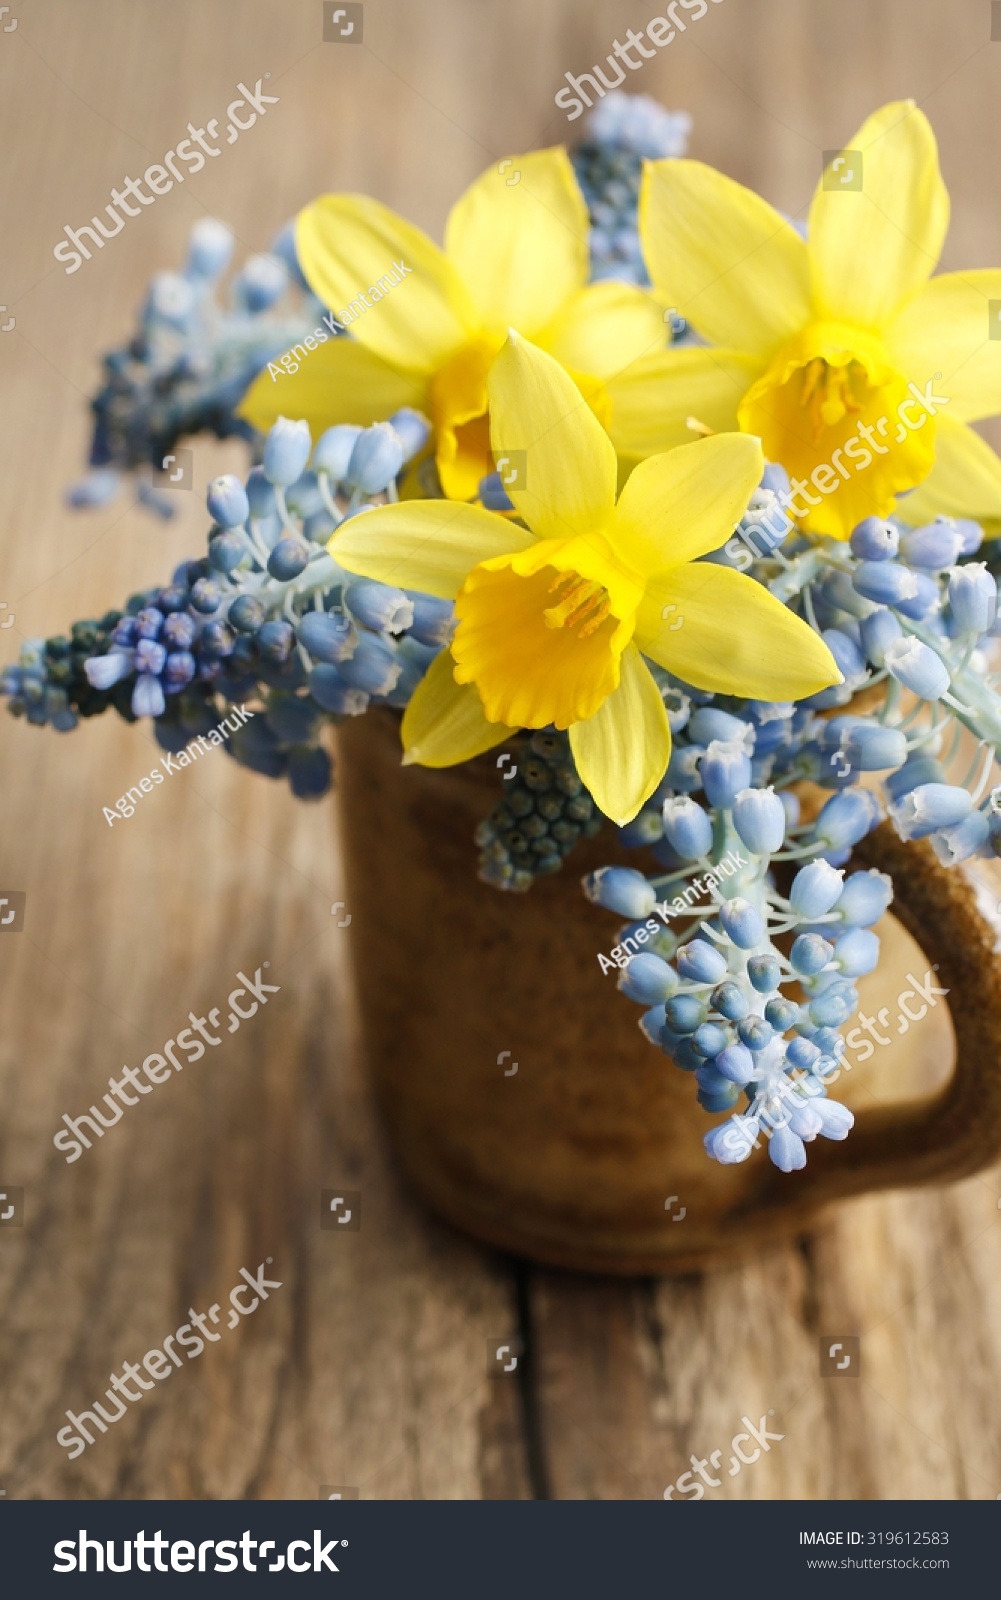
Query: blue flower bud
point(971, 535)
point(963, 840)
point(178, 671)
point(178, 630)
point(871, 747)
point(149, 621)
point(326, 637)
point(865, 897)
point(781, 1013)
point(288, 558)
point(929, 807)
point(936, 545)
point(707, 724)
point(836, 1120)
point(877, 631)
point(736, 1063)
point(810, 954)
point(286, 451)
point(246, 614)
point(687, 827)
point(805, 1122)
point(764, 973)
point(647, 979)
point(105, 671)
point(885, 582)
point(725, 771)
point(760, 819)
point(433, 621)
point(216, 639)
point(261, 281)
point(275, 640)
point(801, 1053)
point(918, 668)
point(857, 952)
point(709, 1039)
point(701, 962)
point(755, 1032)
point(924, 600)
point(227, 501)
point(742, 923)
point(413, 430)
point(332, 451)
point(973, 597)
point(621, 889)
point(729, 1000)
point(260, 494)
point(493, 494)
point(645, 828)
point(379, 606)
point(815, 889)
point(147, 697)
point(846, 818)
point(732, 1141)
point(331, 692)
point(847, 656)
point(685, 1056)
point(652, 1024)
point(374, 667)
point(786, 1150)
point(875, 540)
point(684, 1013)
point(376, 459)
point(210, 246)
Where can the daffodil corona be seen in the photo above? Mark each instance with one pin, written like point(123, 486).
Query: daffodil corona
point(554, 618)
point(516, 255)
point(826, 347)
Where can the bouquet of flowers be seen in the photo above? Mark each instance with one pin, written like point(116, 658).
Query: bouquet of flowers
point(672, 497)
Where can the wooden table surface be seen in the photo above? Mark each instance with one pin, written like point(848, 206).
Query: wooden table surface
point(367, 1368)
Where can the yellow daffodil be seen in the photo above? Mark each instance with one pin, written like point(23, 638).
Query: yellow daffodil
point(516, 255)
point(857, 373)
point(554, 619)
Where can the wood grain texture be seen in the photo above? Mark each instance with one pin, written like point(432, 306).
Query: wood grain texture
point(368, 1368)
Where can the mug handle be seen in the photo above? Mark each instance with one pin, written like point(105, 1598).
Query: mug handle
point(956, 1132)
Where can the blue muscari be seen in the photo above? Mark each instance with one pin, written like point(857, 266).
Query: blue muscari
point(266, 616)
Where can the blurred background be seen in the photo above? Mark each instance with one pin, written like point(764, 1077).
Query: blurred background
point(368, 1368)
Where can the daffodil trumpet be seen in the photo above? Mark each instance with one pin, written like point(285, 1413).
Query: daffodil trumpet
point(556, 612)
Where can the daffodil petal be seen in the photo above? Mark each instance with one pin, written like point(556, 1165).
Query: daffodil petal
point(604, 328)
point(723, 632)
point(445, 722)
point(339, 381)
point(351, 248)
point(872, 248)
point(428, 545)
point(948, 329)
point(686, 502)
point(964, 482)
point(623, 750)
point(540, 422)
point(652, 400)
point(518, 237)
point(722, 256)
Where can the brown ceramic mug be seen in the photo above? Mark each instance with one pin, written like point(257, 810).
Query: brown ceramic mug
point(525, 1105)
